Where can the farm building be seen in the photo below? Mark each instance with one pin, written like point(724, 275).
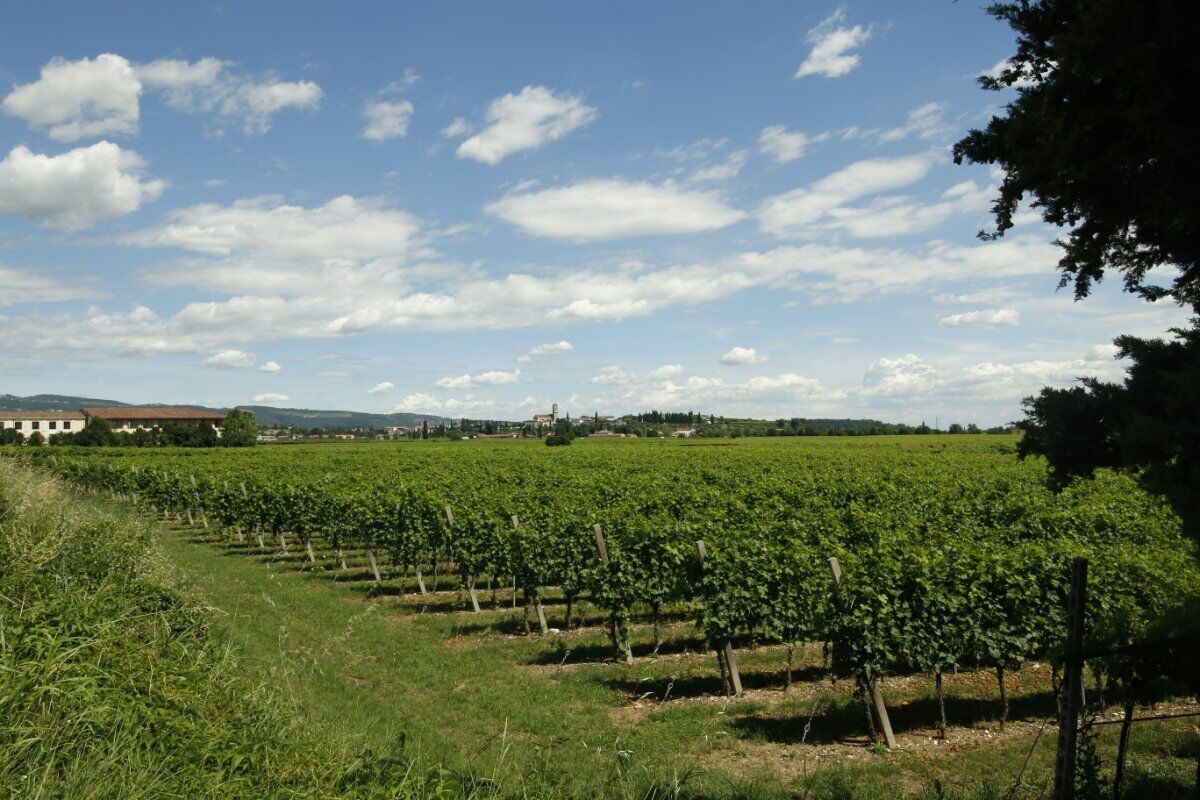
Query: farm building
point(47, 423)
point(133, 418)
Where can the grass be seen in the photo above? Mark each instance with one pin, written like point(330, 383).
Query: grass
point(384, 666)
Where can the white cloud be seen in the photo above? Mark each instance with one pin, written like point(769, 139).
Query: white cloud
point(831, 44)
point(824, 204)
point(270, 366)
point(492, 378)
point(550, 348)
point(740, 356)
point(77, 99)
point(268, 228)
point(269, 397)
point(421, 403)
point(925, 122)
point(279, 291)
point(906, 374)
point(102, 96)
point(987, 318)
point(783, 213)
point(76, 189)
point(526, 121)
point(386, 119)
point(213, 183)
point(722, 170)
point(381, 388)
point(998, 69)
point(666, 371)
point(781, 144)
point(192, 87)
point(26, 286)
point(257, 103)
point(459, 127)
point(599, 209)
point(229, 359)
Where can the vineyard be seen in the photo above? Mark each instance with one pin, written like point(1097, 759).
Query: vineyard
point(952, 553)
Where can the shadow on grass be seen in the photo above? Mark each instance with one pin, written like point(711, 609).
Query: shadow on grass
point(709, 685)
point(842, 718)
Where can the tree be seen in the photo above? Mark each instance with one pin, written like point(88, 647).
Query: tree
point(97, 432)
point(36, 438)
point(1147, 425)
point(11, 436)
point(240, 428)
point(1101, 139)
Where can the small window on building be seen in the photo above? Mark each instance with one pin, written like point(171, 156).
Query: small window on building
point(53, 425)
point(36, 424)
point(18, 424)
point(66, 424)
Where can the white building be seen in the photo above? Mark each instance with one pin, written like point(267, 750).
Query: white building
point(46, 423)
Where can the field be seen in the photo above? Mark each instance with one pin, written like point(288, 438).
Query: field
point(954, 557)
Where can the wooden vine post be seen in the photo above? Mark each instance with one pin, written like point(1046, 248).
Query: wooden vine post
point(602, 546)
point(537, 597)
point(199, 505)
point(467, 578)
point(1071, 702)
point(871, 682)
point(370, 557)
point(735, 677)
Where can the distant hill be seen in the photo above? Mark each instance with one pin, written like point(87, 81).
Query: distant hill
point(266, 415)
point(310, 418)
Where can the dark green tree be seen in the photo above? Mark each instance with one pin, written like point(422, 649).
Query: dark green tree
point(1101, 139)
point(96, 433)
point(240, 428)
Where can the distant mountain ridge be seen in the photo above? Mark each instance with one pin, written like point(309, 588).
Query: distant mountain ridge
point(267, 415)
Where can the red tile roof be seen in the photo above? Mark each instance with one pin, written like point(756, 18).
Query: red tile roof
point(153, 412)
point(40, 415)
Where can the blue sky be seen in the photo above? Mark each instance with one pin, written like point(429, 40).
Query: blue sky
point(482, 209)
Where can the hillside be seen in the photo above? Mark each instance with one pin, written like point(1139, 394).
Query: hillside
point(266, 415)
point(310, 418)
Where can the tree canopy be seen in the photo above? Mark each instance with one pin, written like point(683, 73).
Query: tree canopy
point(1101, 137)
point(240, 428)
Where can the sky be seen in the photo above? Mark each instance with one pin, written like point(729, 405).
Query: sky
point(480, 209)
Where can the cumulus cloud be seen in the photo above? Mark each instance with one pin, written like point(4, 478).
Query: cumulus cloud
point(525, 121)
point(381, 388)
point(271, 367)
point(831, 45)
point(76, 189)
point(269, 397)
point(783, 145)
point(229, 359)
point(421, 403)
point(492, 378)
point(102, 96)
point(27, 286)
point(740, 356)
point(600, 209)
point(825, 205)
point(77, 99)
point(386, 119)
point(545, 350)
point(986, 318)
